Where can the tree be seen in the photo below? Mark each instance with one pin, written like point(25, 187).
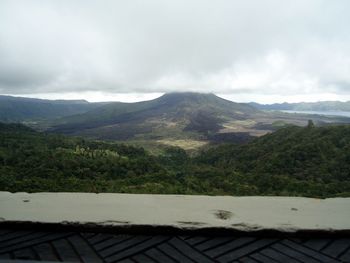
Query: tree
point(310, 124)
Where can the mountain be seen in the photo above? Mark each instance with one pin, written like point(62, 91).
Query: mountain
point(305, 106)
point(188, 120)
point(18, 109)
point(185, 119)
point(171, 114)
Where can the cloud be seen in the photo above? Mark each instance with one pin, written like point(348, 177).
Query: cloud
point(247, 48)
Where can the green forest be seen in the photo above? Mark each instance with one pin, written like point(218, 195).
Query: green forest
point(293, 161)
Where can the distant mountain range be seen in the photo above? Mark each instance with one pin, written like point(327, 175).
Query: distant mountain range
point(305, 106)
point(19, 109)
point(188, 119)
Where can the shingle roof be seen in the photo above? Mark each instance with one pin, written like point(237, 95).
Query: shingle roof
point(104, 247)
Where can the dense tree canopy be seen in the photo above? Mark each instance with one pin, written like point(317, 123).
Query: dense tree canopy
point(309, 161)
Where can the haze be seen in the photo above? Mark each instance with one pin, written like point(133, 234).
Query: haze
point(264, 51)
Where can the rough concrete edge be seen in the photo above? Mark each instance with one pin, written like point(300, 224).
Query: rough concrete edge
point(134, 229)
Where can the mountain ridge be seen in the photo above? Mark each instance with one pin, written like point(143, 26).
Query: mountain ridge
point(20, 98)
point(22, 109)
point(305, 106)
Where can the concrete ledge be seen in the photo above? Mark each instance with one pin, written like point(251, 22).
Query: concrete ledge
point(177, 212)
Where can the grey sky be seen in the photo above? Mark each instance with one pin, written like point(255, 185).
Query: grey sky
point(262, 50)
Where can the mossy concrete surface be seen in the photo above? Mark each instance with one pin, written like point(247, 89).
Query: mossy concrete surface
point(286, 214)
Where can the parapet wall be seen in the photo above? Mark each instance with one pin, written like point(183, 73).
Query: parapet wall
point(177, 212)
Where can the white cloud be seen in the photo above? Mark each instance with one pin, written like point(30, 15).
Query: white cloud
point(262, 49)
point(94, 96)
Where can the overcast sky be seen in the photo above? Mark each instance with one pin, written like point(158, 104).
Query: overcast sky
point(262, 50)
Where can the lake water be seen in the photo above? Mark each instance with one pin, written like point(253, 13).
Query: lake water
point(326, 113)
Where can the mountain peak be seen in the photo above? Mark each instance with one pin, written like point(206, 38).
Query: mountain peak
point(188, 93)
point(191, 97)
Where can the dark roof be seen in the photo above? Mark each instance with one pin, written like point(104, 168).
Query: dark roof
point(104, 247)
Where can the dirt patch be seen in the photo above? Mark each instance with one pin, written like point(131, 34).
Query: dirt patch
point(223, 214)
point(184, 144)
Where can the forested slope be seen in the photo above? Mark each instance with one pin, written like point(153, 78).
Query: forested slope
point(309, 161)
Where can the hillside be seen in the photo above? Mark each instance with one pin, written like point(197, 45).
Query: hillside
point(188, 120)
point(305, 106)
point(174, 115)
point(180, 119)
point(18, 109)
point(294, 161)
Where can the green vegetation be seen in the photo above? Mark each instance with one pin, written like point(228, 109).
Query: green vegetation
point(308, 161)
